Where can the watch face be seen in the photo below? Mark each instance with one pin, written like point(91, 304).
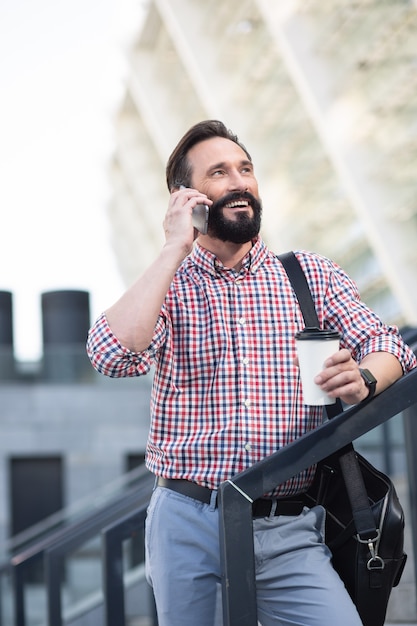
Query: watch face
point(370, 381)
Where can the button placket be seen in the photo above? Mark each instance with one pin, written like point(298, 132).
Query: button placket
point(243, 364)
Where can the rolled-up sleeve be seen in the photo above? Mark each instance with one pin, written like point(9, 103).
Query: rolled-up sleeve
point(361, 329)
point(110, 358)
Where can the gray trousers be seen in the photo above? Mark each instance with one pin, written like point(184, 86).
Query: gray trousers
point(295, 581)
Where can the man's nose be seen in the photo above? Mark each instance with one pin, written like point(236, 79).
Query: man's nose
point(237, 182)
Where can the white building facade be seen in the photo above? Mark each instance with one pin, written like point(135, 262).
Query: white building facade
point(323, 93)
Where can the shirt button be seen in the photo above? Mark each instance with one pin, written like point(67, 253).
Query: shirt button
point(245, 361)
point(242, 321)
point(238, 281)
point(246, 403)
point(248, 447)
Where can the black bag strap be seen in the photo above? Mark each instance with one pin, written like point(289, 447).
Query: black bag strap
point(301, 287)
point(355, 486)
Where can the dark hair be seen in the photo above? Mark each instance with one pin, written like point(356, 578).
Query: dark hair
point(178, 169)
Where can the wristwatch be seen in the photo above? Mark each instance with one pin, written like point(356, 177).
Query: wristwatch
point(370, 382)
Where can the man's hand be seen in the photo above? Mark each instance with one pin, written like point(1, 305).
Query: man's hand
point(178, 226)
point(341, 378)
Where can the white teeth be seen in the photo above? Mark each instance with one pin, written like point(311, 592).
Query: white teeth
point(232, 205)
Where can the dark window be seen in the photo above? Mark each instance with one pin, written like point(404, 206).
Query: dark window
point(36, 490)
point(35, 493)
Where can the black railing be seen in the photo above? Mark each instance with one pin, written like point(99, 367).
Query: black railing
point(235, 497)
point(54, 548)
point(114, 594)
point(124, 515)
point(107, 494)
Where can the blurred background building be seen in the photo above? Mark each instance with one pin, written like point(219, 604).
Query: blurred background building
point(324, 95)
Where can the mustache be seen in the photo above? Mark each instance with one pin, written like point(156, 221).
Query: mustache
point(232, 197)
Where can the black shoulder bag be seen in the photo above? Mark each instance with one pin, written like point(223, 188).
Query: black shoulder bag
point(365, 520)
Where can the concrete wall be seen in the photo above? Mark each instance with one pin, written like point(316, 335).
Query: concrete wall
point(93, 426)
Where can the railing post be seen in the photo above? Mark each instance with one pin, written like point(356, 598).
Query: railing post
point(410, 436)
point(18, 575)
point(53, 580)
point(112, 565)
point(113, 588)
point(410, 432)
point(236, 535)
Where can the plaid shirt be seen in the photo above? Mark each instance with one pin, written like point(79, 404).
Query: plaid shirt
point(226, 393)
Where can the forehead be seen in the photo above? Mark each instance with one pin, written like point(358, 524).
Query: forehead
point(213, 151)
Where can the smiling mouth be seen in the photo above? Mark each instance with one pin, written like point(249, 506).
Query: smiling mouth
point(241, 204)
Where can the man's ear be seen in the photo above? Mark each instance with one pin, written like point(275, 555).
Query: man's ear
point(177, 186)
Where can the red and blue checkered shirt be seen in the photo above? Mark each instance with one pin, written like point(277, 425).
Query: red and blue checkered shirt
point(226, 392)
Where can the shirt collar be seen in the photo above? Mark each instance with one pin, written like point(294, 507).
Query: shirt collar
point(210, 263)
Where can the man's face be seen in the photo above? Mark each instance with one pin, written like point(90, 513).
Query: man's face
point(222, 170)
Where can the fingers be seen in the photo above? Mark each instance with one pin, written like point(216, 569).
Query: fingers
point(341, 358)
point(180, 208)
point(341, 378)
point(186, 196)
point(338, 368)
point(178, 226)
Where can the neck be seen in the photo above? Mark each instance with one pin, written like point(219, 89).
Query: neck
point(230, 254)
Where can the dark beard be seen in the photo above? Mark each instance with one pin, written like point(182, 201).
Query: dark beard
point(241, 230)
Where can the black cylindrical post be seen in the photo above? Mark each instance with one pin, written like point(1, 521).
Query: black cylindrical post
point(7, 361)
point(65, 324)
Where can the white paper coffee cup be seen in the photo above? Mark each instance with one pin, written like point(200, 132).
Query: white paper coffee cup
point(314, 346)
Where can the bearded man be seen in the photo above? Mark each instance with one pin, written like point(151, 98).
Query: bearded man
point(216, 316)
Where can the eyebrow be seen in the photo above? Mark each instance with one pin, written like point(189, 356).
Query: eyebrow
point(223, 164)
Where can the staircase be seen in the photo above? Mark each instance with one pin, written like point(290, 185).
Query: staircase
point(92, 556)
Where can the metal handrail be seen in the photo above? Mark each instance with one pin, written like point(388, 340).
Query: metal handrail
point(54, 547)
point(235, 497)
point(69, 514)
point(112, 540)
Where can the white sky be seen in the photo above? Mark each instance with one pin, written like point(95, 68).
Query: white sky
point(62, 67)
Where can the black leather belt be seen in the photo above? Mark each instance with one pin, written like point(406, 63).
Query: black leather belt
point(260, 508)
